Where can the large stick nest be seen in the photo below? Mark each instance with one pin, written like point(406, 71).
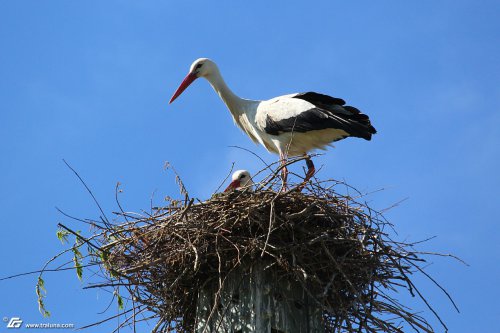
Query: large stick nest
point(335, 247)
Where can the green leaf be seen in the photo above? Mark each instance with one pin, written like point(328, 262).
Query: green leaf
point(104, 255)
point(41, 284)
point(79, 268)
point(41, 308)
point(78, 241)
point(77, 252)
point(120, 301)
point(62, 235)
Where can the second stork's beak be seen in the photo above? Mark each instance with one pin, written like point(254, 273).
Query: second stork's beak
point(185, 83)
point(233, 186)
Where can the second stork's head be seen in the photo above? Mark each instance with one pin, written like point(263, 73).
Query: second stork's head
point(202, 67)
point(241, 180)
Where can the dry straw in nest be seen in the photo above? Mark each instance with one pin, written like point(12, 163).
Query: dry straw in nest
point(333, 245)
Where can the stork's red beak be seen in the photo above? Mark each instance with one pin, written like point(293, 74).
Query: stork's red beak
point(185, 83)
point(233, 186)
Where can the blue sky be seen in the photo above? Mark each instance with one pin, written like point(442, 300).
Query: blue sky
point(90, 81)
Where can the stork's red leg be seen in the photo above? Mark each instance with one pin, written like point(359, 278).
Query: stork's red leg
point(310, 172)
point(310, 169)
point(284, 171)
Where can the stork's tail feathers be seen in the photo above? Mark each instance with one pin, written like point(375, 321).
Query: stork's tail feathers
point(361, 126)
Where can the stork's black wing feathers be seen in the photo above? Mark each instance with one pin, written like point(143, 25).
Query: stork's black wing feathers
point(329, 112)
point(320, 100)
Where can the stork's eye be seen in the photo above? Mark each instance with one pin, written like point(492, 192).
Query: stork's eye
point(242, 176)
point(198, 66)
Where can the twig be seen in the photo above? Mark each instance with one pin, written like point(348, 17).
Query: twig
point(90, 192)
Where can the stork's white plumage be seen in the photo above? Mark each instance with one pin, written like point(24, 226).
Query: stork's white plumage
point(289, 125)
point(240, 180)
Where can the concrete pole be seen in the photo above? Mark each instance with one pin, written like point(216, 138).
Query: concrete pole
point(257, 300)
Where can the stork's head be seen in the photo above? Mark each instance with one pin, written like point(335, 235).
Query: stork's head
point(241, 180)
point(202, 67)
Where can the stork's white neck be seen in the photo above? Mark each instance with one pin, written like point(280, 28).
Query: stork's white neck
point(235, 104)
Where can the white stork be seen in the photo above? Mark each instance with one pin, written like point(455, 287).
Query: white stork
point(288, 125)
point(240, 180)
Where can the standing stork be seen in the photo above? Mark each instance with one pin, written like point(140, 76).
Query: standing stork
point(288, 125)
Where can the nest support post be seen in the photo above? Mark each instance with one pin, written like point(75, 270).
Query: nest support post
point(256, 298)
